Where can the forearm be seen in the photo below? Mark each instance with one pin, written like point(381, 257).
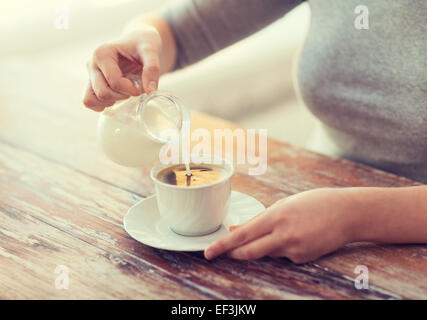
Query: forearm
point(169, 50)
point(202, 28)
point(389, 215)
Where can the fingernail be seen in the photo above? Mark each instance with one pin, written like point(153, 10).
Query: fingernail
point(152, 85)
point(208, 254)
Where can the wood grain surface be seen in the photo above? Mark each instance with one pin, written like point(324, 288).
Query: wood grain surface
point(62, 203)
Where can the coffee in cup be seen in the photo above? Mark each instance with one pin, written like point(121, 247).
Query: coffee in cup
point(193, 205)
point(199, 175)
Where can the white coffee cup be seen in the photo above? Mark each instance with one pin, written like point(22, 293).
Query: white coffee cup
point(197, 210)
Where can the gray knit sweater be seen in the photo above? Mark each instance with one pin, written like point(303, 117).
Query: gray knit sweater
point(368, 87)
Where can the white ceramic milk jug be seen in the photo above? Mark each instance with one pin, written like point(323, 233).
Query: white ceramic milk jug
point(131, 133)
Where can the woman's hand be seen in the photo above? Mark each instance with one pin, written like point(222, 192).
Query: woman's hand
point(111, 64)
point(301, 227)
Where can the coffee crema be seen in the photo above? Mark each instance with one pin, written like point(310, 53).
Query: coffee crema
point(200, 175)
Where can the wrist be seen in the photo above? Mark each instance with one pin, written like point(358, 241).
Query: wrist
point(152, 23)
point(358, 222)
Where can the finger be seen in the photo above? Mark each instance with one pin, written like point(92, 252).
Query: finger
point(151, 71)
point(114, 77)
point(241, 235)
point(277, 253)
point(101, 88)
point(255, 249)
point(234, 227)
point(91, 101)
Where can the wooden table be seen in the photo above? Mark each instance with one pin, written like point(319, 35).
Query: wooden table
point(62, 204)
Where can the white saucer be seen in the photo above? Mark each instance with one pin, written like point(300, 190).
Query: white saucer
point(144, 224)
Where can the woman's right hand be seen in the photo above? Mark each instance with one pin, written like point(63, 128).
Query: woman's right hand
point(111, 64)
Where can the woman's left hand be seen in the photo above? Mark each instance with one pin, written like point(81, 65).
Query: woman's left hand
point(301, 227)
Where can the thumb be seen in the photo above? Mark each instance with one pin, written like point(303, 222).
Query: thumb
point(151, 67)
